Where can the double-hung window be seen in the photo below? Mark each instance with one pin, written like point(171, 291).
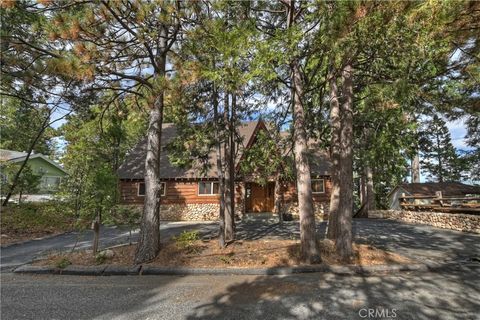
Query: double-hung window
point(318, 186)
point(206, 188)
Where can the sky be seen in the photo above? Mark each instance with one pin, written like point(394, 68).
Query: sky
point(457, 132)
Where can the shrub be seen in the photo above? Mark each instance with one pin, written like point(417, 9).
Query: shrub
point(100, 258)
point(50, 216)
point(186, 240)
point(63, 263)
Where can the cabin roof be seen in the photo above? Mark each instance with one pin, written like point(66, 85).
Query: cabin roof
point(133, 167)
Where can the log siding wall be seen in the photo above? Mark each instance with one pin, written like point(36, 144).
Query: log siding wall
point(178, 192)
point(186, 192)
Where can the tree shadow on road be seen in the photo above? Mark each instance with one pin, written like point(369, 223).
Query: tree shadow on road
point(328, 296)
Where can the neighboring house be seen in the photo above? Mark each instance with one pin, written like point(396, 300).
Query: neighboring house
point(51, 172)
point(188, 195)
point(429, 189)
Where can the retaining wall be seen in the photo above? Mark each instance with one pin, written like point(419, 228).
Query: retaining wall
point(460, 222)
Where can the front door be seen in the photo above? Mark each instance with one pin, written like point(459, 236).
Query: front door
point(262, 197)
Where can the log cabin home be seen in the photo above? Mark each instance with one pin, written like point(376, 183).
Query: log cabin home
point(189, 194)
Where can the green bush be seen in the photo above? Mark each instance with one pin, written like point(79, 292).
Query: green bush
point(100, 258)
point(186, 240)
point(63, 263)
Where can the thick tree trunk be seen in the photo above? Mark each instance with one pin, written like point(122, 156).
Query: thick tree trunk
point(416, 168)
point(221, 181)
point(336, 127)
point(229, 228)
point(343, 241)
point(308, 238)
point(149, 238)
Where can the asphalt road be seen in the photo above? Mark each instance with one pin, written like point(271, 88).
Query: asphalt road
point(451, 295)
point(19, 254)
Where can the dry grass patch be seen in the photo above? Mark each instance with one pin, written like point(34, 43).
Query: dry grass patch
point(240, 254)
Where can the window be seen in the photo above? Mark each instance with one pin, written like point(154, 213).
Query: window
point(50, 183)
point(141, 189)
point(318, 186)
point(207, 188)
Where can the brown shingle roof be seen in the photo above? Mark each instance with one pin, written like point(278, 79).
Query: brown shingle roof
point(134, 165)
point(447, 188)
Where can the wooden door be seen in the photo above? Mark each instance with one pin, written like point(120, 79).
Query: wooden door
point(262, 197)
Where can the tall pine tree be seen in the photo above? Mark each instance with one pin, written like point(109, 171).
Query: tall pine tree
point(440, 161)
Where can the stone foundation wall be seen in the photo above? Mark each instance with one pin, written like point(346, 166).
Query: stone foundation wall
point(321, 210)
point(187, 212)
point(460, 222)
point(209, 211)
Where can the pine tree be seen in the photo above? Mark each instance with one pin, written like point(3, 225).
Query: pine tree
point(124, 47)
point(440, 161)
point(472, 157)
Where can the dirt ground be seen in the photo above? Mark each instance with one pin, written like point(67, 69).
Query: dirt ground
point(240, 254)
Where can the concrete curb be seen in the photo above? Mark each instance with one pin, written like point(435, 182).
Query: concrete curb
point(27, 268)
point(76, 270)
point(111, 270)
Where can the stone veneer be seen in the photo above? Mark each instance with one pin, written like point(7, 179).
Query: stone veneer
point(320, 208)
point(186, 212)
point(460, 222)
point(209, 211)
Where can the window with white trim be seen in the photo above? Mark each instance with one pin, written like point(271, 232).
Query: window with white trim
point(206, 188)
point(141, 189)
point(318, 186)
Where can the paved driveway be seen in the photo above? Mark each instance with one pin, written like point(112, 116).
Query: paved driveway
point(19, 254)
point(420, 242)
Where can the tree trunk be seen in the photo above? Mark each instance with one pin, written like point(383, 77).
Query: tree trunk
point(96, 233)
point(228, 175)
point(149, 238)
point(308, 238)
point(416, 168)
point(363, 188)
point(343, 241)
point(232, 161)
point(20, 196)
point(336, 127)
point(370, 191)
point(221, 181)
point(278, 197)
